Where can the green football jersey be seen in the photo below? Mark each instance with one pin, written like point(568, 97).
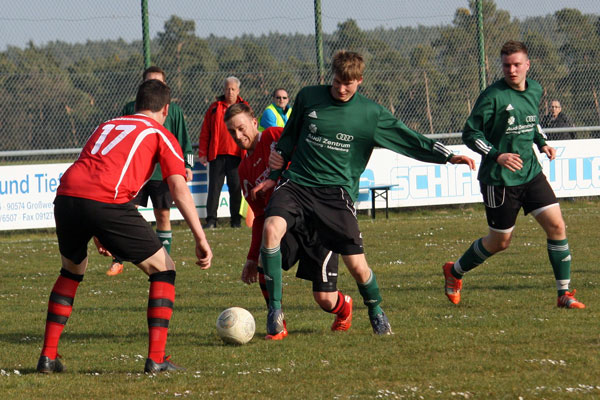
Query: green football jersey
point(505, 120)
point(175, 123)
point(330, 142)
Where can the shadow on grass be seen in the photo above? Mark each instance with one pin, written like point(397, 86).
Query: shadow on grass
point(22, 371)
point(118, 336)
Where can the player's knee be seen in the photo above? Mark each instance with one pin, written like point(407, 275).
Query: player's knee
point(556, 229)
point(163, 220)
point(273, 231)
point(497, 244)
point(358, 267)
point(326, 300)
point(501, 245)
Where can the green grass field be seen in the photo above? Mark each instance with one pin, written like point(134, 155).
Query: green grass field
point(506, 340)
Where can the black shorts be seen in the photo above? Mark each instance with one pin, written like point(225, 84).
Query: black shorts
point(119, 227)
point(502, 203)
point(328, 211)
point(159, 193)
point(316, 263)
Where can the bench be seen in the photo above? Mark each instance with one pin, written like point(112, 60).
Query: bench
point(379, 191)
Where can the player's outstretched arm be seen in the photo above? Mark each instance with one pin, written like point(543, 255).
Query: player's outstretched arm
point(463, 160)
point(184, 202)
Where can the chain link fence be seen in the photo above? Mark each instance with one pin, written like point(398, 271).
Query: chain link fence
point(422, 61)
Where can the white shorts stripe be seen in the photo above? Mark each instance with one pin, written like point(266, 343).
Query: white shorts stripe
point(349, 205)
point(324, 266)
point(490, 195)
point(540, 210)
point(509, 230)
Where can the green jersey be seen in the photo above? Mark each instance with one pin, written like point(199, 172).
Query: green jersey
point(330, 142)
point(175, 123)
point(505, 120)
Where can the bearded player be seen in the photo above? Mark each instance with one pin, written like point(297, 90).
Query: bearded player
point(316, 263)
point(93, 200)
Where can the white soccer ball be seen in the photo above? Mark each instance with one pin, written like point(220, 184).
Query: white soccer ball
point(236, 325)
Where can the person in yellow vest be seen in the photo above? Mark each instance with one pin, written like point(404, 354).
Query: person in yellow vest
point(276, 113)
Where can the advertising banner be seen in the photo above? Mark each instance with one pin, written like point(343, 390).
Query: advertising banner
point(27, 191)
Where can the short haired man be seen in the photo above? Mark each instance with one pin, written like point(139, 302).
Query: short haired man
point(316, 263)
point(557, 119)
point(276, 113)
point(321, 183)
point(503, 127)
point(94, 200)
point(157, 188)
point(218, 150)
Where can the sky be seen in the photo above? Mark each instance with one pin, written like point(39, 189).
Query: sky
point(77, 21)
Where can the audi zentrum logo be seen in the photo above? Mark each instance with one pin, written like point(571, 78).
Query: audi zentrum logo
point(344, 137)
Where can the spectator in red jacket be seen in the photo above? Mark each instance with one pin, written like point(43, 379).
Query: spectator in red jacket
point(219, 151)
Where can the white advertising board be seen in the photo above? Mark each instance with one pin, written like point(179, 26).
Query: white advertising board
point(575, 172)
point(27, 191)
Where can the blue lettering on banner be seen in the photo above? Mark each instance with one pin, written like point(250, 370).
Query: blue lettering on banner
point(14, 186)
point(432, 182)
point(573, 173)
point(38, 183)
point(45, 184)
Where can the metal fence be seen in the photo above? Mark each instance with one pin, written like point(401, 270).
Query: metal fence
point(422, 60)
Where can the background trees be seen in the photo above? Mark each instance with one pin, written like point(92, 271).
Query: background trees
point(54, 95)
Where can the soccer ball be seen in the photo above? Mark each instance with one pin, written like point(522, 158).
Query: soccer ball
point(235, 325)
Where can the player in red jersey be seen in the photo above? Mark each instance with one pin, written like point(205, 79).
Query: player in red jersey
point(316, 263)
point(93, 200)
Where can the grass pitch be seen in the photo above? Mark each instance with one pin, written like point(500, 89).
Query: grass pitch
point(506, 340)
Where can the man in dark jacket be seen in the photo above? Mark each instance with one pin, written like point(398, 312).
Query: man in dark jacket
point(557, 119)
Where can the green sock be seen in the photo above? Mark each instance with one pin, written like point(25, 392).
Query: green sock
point(271, 263)
point(475, 255)
point(560, 258)
point(370, 294)
point(166, 238)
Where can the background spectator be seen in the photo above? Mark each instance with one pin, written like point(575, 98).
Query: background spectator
point(557, 119)
point(276, 113)
point(218, 149)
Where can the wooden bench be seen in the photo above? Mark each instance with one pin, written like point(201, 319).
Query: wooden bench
point(379, 191)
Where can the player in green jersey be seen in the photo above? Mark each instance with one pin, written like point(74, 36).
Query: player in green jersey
point(329, 139)
point(503, 127)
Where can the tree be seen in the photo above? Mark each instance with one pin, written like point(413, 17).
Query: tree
point(459, 54)
point(581, 51)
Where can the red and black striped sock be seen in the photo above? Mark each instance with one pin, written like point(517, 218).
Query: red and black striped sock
point(342, 307)
point(160, 309)
point(60, 306)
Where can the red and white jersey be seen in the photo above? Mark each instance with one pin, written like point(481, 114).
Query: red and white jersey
point(253, 170)
point(119, 158)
